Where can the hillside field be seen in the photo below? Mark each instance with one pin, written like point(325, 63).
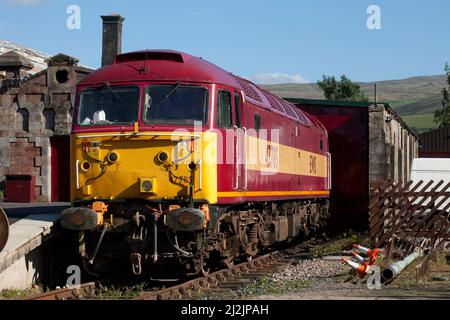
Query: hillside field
point(415, 99)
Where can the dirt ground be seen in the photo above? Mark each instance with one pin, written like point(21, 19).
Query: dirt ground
point(346, 285)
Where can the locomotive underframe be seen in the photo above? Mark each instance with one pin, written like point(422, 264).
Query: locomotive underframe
point(139, 232)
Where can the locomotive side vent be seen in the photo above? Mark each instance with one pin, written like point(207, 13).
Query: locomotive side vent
point(301, 116)
point(248, 89)
point(273, 101)
point(149, 55)
point(289, 109)
point(294, 112)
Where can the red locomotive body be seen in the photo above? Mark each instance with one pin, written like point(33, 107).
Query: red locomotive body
point(264, 179)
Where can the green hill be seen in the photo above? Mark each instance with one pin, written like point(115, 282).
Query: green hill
point(415, 99)
point(419, 106)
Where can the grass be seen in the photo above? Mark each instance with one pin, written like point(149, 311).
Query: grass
point(421, 123)
point(344, 242)
point(13, 294)
point(123, 292)
point(428, 105)
point(403, 102)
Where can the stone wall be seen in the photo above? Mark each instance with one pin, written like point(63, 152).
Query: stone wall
point(393, 145)
point(33, 111)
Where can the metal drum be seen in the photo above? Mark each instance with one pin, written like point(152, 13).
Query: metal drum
point(4, 229)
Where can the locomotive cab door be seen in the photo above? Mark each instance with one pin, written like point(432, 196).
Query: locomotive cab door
point(229, 112)
point(240, 146)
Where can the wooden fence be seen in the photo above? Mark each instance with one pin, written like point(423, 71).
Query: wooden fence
point(417, 213)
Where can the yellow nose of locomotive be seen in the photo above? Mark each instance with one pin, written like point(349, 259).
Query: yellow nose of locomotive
point(150, 167)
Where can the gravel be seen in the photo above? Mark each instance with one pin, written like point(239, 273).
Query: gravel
point(311, 269)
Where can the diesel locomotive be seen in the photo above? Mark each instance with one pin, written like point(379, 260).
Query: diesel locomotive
point(176, 163)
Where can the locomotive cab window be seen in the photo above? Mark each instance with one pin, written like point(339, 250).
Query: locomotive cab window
point(237, 109)
point(257, 122)
point(175, 104)
point(224, 109)
point(108, 105)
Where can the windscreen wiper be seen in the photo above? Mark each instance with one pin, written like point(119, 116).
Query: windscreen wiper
point(171, 91)
point(114, 94)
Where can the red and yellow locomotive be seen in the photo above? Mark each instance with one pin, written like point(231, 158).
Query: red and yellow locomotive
point(176, 160)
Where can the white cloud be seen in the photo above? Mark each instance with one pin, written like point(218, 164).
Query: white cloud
point(24, 2)
point(277, 78)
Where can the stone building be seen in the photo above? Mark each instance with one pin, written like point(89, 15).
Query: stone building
point(37, 94)
point(393, 145)
point(35, 121)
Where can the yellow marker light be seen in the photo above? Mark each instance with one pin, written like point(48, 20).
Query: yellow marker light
point(86, 166)
point(147, 185)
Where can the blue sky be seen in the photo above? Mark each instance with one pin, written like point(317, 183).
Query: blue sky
point(266, 41)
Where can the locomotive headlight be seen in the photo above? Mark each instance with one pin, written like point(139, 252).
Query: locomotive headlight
point(162, 157)
point(147, 185)
point(113, 157)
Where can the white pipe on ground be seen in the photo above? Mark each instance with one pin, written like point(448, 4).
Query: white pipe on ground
point(396, 268)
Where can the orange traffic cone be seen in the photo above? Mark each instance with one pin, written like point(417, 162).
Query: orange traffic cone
point(372, 254)
point(358, 257)
point(360, 268)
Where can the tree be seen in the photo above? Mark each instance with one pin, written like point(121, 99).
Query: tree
point(442, 116)
point(341, 90)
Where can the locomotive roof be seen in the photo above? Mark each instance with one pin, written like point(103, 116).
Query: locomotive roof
point(169, 65)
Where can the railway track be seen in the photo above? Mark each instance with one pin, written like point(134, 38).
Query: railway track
point(83, 291)
point(216, 282)
point(223, 281)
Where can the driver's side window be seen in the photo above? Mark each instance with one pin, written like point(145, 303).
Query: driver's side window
point(224, 109)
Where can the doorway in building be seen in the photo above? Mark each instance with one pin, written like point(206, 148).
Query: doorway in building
point(60, 168)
